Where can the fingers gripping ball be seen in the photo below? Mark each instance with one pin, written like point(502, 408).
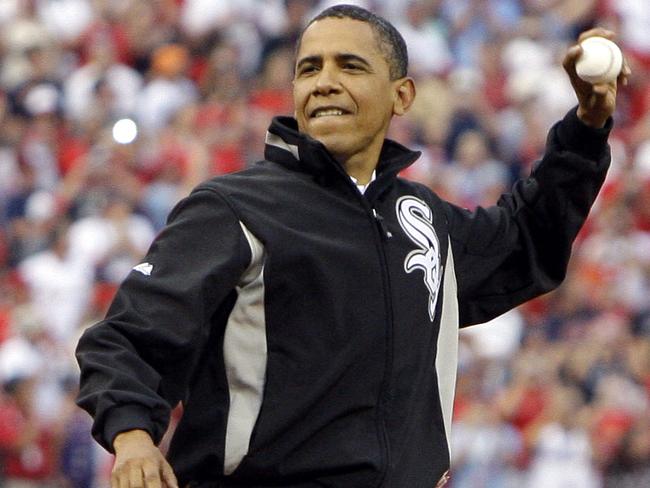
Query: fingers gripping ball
point(600, 62)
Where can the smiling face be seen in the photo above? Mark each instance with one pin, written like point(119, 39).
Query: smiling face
point(343, 94)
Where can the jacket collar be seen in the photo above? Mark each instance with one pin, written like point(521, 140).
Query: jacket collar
point(287, 146)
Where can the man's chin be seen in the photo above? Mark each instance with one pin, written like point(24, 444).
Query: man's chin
point(333, 144)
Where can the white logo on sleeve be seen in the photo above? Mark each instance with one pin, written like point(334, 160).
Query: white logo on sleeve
point(416, 219)
point(144, 268)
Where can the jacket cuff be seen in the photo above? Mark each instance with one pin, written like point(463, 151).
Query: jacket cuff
point(124, 418)
point(575, 136)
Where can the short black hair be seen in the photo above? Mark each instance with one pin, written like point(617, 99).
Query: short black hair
point(390, 41)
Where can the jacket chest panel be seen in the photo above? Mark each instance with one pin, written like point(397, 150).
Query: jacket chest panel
point(415, 253)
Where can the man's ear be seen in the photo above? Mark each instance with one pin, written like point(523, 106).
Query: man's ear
point(404, 95)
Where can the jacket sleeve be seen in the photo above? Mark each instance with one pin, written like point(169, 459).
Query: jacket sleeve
point(520, 248)
point(136, 363)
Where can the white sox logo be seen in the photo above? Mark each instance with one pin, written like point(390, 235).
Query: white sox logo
point(416, 219)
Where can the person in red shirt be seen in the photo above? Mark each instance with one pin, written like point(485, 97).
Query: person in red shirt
point(27, 449)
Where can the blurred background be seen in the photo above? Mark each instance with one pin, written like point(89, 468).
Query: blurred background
point(112, 110)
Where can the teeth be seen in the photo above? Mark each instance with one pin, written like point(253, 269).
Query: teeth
point(328, 111)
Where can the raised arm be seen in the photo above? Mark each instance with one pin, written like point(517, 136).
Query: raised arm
point(520, 248)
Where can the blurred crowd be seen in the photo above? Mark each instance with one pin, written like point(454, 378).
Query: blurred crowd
point(112, 110)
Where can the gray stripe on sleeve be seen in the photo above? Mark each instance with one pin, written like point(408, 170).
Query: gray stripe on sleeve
point(245, 357)
point(447, 355)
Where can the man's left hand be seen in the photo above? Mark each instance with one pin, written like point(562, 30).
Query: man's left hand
point(596, 103)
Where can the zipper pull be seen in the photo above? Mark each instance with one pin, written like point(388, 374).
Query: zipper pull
point(380, 223)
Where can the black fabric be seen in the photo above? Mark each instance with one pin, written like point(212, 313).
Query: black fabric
point(351, 396)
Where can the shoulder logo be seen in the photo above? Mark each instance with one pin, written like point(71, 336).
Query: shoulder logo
point(416, 219)
point(144, 268)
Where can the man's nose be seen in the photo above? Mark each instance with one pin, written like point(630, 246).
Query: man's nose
point(327, 81)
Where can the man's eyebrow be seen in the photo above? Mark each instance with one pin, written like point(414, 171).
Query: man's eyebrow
point(340, 57)
point(344, 57)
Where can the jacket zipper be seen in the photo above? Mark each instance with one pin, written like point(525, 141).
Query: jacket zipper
point(383, 230)
point(382, 234)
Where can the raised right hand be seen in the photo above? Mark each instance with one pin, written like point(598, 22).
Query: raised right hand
point(139, 463)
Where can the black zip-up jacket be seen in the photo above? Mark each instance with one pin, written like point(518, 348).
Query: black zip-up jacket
point(311, 331)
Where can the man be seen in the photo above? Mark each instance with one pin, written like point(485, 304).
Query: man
point(306, 311)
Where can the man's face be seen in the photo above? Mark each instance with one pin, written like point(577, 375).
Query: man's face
point(343, 94)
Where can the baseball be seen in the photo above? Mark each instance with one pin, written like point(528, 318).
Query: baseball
point(600, 62)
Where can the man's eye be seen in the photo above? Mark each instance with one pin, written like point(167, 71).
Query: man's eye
point(307, 69)
point(351, 66)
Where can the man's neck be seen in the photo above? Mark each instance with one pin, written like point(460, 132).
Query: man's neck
point(361, 167)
